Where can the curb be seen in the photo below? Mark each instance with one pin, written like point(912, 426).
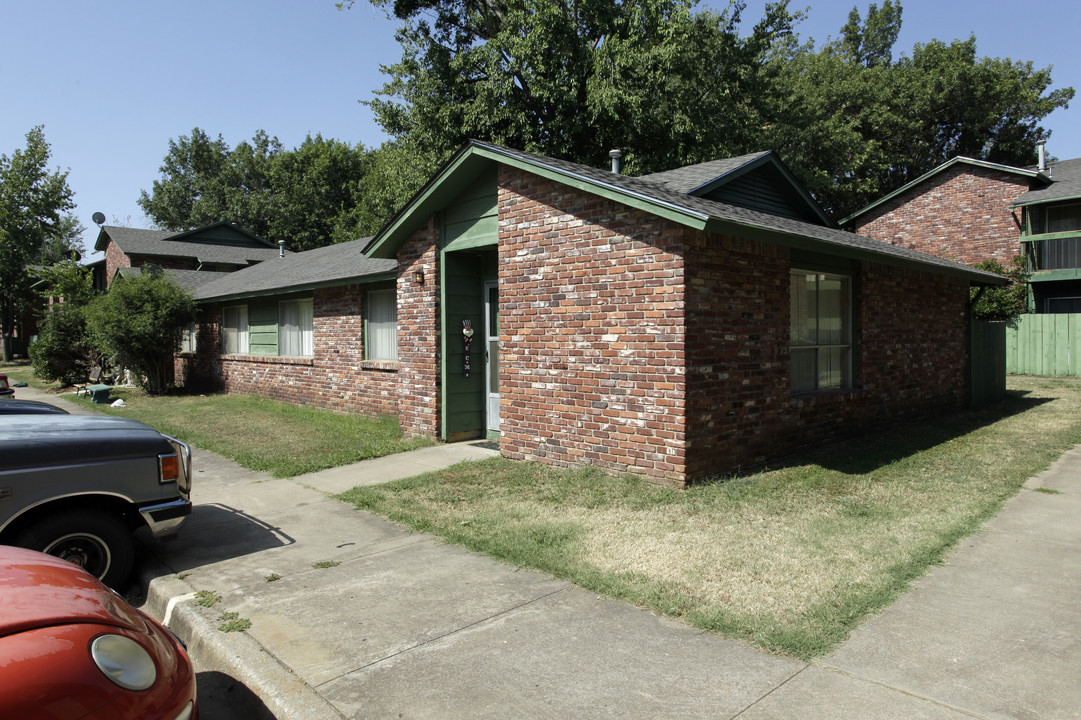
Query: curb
point(171, 601)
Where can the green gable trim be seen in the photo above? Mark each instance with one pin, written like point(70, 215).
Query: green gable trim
point(740, 187)
point(472, 161)
point(1032, 174)
point(851, 252)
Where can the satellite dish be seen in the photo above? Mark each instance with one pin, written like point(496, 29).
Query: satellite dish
point(98, 218)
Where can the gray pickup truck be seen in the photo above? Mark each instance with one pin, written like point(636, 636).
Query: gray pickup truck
point(78, 486)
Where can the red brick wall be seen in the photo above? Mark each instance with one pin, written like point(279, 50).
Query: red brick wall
point(591, 314)
point(114, 258)
point(738, 382)
point(962, 214)
point(336, 378)
point(597, 368)
point(419, 383)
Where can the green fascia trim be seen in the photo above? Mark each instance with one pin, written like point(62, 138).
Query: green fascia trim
point(1051, 236)
point(1055, 275)
point(442, 341)
point(471, 243)
point(944, 166)
point(1046, 201)
point(682, 216)
point(768, 159)
point(471, 161)
point(800, 242)
point(282, 292)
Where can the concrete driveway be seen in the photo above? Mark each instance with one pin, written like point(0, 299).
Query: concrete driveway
point(355, 617)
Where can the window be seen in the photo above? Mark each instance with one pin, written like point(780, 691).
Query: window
point(234, 329)
point(295, 328)
point(187, 339)
point(382, 307)
point(821, 331)
point(1064, 218)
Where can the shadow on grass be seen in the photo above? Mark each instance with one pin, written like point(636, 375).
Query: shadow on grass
point(865, 451)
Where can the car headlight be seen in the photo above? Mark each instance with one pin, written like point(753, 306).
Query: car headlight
point(124, 661)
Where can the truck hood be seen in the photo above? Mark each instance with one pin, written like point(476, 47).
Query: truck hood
point(28, 441)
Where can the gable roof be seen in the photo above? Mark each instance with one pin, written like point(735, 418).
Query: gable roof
point(240, 248)
point(752, 180)
point(1065, 176)
point(322, 267)
point(655, 198)
point(1032, 174)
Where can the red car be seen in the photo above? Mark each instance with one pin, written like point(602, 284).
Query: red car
point(5, 388)
point(70, 648)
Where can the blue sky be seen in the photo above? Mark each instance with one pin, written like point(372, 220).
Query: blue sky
point(113, 80)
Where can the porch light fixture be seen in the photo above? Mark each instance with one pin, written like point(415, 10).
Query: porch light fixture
point(418, 277)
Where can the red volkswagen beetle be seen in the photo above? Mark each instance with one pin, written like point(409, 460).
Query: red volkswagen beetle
point(71, 649)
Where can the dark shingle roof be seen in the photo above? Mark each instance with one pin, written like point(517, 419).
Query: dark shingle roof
point(187, 279)
point(136, 241)
point(298, 271)
point(688, 179)
point(840, 240)
point(1065, 185)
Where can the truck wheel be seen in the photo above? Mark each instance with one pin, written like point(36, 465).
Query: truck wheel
point(95, 541)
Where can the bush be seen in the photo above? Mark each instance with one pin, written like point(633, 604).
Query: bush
point(63, 350)
point(1008, 301)
point(137, 325)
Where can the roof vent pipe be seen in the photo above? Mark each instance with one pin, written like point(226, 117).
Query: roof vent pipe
point(615, 155)
point(281, 248)
point(1040, 147)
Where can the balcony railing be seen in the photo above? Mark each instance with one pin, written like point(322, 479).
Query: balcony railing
point(1055, 253)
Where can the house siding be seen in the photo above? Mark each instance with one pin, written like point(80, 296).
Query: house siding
point(592, 344)
point(335, 378)
point(962, 214)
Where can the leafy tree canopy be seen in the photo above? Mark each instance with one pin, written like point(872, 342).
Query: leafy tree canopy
point(671, 85)
point(1008, 301)
point(32, 200)
point(307, 196)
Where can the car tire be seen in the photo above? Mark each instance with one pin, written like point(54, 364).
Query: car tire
point(94, 540)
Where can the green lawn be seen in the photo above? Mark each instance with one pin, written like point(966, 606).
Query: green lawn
point(790, 559)
point(274, 437)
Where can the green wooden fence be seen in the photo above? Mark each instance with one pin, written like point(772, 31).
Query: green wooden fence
point(1044, 345)
point(988, 362)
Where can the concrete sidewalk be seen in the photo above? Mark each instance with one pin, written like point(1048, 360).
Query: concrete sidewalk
point(406, 626)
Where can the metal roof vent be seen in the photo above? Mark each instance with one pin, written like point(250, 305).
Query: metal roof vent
point(615, 155)
point(1042, 149)
point(281, 248)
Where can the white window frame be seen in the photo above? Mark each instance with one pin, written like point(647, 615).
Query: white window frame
point(295, 336)
point(820, 332)
point(234, 330)
point(188, 337)
point(381, 325)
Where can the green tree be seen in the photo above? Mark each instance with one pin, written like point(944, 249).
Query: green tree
point(305, 196)
point(63, 350)
point(857, 124)
point(31, 202)
point(573, 80)
point(138, 325)
point(1008, 301)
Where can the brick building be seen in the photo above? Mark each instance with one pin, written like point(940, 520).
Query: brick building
point(675, 325)
point(192, 257)
point(971, 211)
